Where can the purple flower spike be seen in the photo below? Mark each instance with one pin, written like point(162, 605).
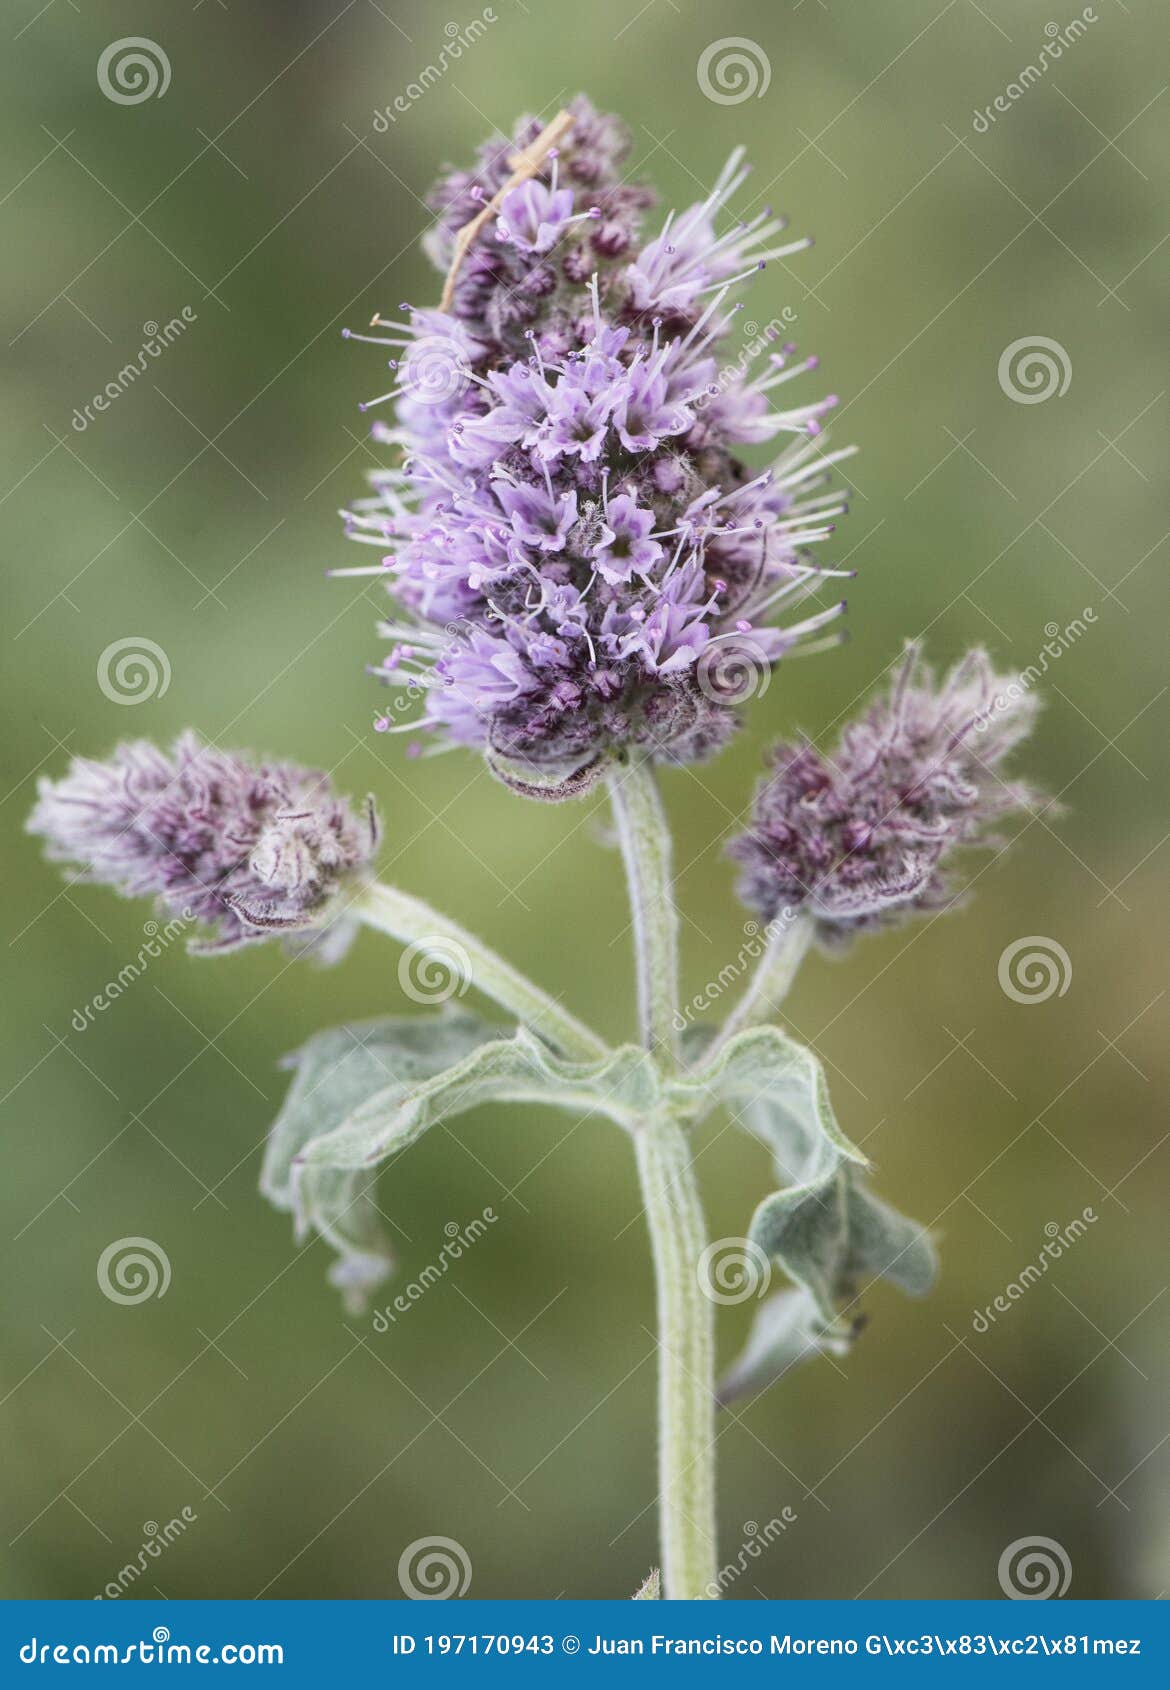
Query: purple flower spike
point(246, 849)
point(862, 839)
point(574, 539)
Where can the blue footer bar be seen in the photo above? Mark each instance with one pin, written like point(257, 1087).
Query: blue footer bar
point(424, 1642)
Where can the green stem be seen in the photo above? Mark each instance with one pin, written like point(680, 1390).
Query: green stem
point(415, 923)
point(788, 943)
point(644, 835)
point(686, 1348)
point(674, 1214)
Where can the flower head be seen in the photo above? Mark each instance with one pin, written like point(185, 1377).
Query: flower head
point(863, 838)
point(570, 535)
point(246, 848)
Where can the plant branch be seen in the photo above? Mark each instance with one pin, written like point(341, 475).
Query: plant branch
point(418, 925)
point(644, 835)
point(788, 943)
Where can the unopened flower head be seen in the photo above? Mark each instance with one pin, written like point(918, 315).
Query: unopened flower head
point(579, 559)
point(862, 838)
point(248, 848)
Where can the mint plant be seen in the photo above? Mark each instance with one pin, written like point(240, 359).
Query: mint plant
point(586, 582)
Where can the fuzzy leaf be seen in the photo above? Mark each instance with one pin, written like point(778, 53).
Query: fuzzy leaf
point(650, 1589)
point(825, 1229)
point(337, 1071)
point(786, 1331)
point(805, 1230)
point(340, 1067)
point(884, 1244)
point(362, 1095)
point(782, 1096)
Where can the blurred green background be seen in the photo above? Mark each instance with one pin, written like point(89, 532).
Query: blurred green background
point(512, 1409)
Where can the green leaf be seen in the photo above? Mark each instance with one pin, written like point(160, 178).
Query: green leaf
point(806, 1230)
point(650, 1589)
point(884, 1244)
point(337, 1071)
point(825, 1229)
point(340, 1067)
point(786, 1331)
point(361, 1095)
point(782, 1096)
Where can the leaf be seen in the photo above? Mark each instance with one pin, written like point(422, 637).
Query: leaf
point(650, 1589)
point(362, 1095)
point(336, 1071)
point(886, 1245)
point(786, 1331)
point(783, 1096)
point(806, 1230)
point(826, 1230)
point(340, 1067)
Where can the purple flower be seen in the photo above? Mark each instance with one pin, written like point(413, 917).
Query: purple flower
point(626, 547)
point(577, 424)
point(863, 838)
point(247, 849)
point(539, 516)
point(534, 216)
point(644, 416)
point(568, 526)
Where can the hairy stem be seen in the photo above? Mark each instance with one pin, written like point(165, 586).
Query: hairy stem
point(686, 1340)
point(644, 835)
point(674, 1214)
point(788, 943)
point(460, 952)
